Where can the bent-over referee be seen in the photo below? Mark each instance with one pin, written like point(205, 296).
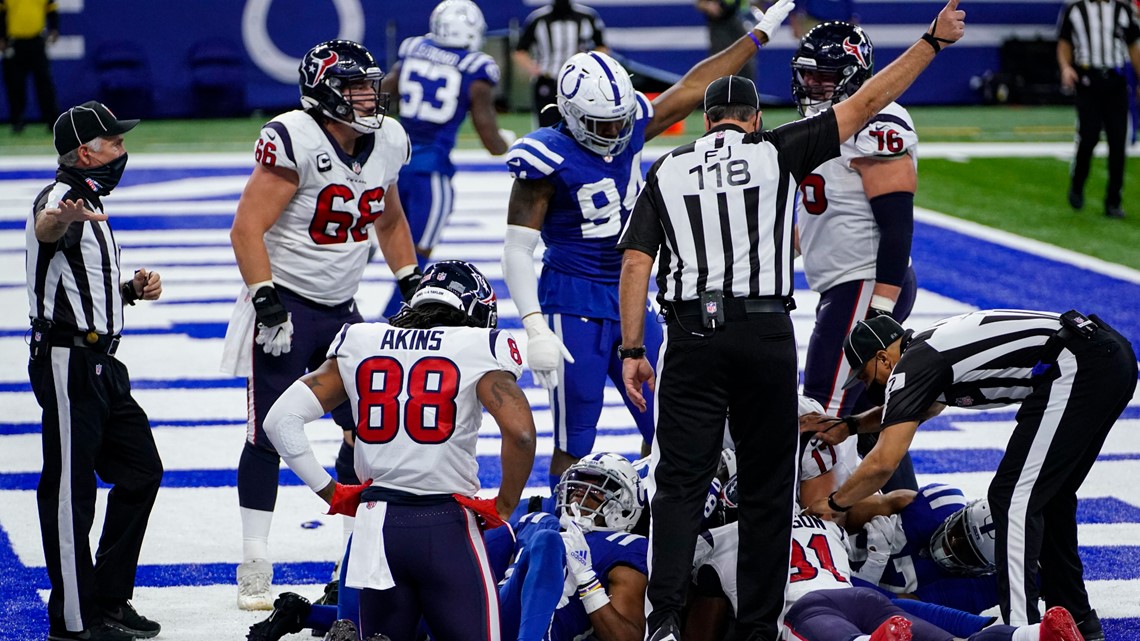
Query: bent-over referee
point(91, 423)
point(720, 211)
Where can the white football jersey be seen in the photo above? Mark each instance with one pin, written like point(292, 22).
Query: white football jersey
point(319, 246)
point(413, 400)
point(839, 238)
point(819, 558)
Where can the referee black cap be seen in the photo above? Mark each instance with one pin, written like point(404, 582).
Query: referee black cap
point(866, 340)
point(90, 120)
point(731, 90)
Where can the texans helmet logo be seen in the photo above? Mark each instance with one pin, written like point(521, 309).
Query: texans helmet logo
point(856, 49)
point(316, 67)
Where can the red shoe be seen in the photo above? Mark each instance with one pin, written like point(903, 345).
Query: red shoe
point(1058, 625)
point(897, 628)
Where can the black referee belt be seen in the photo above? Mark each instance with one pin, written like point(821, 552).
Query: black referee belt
point(1102, 73)
point(1057, 342)
point(86, 340)
point(736, 307)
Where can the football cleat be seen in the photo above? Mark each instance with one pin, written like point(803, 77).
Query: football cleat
point(255, 579)
point(896, 628)
point(342, 630)
point(1058, 625)
point(1090, 627)
point(124, 617)
point(289, 613)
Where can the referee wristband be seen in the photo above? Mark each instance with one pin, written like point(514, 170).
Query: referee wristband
point(932, 41)
point(127, 289)
point(752, 34)
point(835, 507)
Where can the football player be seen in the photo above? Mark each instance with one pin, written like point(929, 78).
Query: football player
point(933, 545)
point(324, 179)
point(582, 570)
point(855, 218)
point(440, 77)
point(575, 184)
point(417, 388)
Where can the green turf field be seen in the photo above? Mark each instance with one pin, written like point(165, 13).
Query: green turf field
point(1019, 195)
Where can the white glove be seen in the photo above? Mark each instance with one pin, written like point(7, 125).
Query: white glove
point(881, 535)
point(770, 20)
point(544, 352)
point(277, 339)
point(581, 567)
point(508, 136)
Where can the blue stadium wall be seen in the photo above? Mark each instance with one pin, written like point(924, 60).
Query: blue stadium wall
point(267, 36)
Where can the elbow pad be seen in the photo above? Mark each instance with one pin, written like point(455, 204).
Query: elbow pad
point(518, 267)
point(285, 427)
point(894, 214)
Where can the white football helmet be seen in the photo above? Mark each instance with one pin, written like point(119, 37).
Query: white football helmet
point(964, 543)
point(596, 99)
point(601, 492)
point(458, 23)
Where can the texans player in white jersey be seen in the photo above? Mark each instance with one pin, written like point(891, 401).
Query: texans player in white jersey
point(324, 179)
point(821, 601)
point(575, 185)
point(417, 388)
point(440, 77)
point(855, 218)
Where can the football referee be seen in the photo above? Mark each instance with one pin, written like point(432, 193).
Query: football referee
point(1072, 375)
point(1096, 40)
point(720, 211)
point(91, 423)
point(551, 35)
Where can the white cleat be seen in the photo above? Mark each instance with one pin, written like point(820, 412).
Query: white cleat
point(255, 578)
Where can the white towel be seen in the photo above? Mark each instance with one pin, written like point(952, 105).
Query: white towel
point(237, 352)
point(368, 562)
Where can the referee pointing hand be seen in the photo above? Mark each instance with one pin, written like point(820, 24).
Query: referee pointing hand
point(720, 210)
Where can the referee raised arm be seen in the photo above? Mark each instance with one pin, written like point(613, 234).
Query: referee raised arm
point(720, 211)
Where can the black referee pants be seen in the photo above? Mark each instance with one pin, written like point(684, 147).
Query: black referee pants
point(746, 371)
point(1102, 104)
point(1061, 427)
point(91, 425)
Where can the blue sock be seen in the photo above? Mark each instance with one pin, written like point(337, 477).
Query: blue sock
point(960, 624)
point(321, 617)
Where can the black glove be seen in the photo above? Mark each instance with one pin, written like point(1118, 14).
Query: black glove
point(268, 307)
point(408, 284)
point(872, 312)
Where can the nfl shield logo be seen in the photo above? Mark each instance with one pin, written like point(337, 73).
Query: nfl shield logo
point(98, 370)
point(356, 166)
point(710, 307)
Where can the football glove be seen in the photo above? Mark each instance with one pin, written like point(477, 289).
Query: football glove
point(581, 566)
point(881, 535)
point(770, 20)
point(274, 324)
point(408, 284)
point(346, 498)
point(545, 351)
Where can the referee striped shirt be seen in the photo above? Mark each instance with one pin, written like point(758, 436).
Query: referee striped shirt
point(1100, 31)
point(721, 209)
point(976, 360)
point(554, 33)
point(74, 282)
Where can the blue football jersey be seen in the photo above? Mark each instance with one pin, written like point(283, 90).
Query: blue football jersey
point(435, 96)
point(913, 571)
point(607, 550)
point(593, 197)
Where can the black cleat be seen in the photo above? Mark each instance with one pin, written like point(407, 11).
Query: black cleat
point(342, 630)
point(667, 632)
point(1076, 199)
point(288, 616)
point(1114, 211)
point(123, 616)
point(100, 632)
point(332, 593)
point(1090, 627)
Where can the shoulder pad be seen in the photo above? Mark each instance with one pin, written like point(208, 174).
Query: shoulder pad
point(890, 133)
point(533, 156)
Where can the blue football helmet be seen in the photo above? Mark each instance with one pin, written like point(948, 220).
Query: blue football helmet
point(833, 60)
point(459, 284)
point(326, 72)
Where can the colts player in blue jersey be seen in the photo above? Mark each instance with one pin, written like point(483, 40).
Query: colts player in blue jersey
point(441, 77)
point(582, 571)
point(575, 185)
point(933, 544)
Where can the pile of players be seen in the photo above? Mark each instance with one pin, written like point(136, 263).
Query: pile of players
point(430, 558)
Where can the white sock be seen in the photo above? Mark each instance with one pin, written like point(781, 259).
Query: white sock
point(1027, 633)
point(862, 637)
point(347, 523)
point(255, 534)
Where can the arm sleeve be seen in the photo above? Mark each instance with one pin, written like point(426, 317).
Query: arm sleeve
point(806, 143)
point(526, 40)
point(894, 214)
point(1131, 28)
point(285, 427)
point(1064, 24)
point(518, 267)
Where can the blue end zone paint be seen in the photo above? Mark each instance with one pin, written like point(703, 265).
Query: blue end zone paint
point(1107, 510)
point(22, 611)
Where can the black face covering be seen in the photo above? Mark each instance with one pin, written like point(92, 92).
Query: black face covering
point(877, 393)
point(105, 177)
